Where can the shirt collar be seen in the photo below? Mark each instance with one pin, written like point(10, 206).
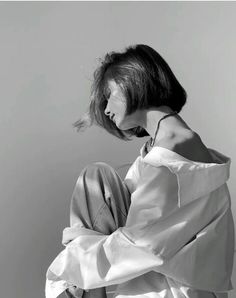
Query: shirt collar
point(195, 179)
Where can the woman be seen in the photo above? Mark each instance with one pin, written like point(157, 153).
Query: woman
point(167, 229)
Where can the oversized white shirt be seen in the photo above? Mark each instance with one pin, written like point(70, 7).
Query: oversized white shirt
point(178, 240)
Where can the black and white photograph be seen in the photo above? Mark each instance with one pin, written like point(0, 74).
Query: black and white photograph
point(118, 149)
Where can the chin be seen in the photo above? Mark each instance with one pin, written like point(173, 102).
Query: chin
point(119, 126)
point(123, 126)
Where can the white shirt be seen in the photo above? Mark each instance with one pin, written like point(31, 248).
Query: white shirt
point(178, 240)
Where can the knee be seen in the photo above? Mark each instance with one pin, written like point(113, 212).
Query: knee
point(97, 166)
point(95, 170)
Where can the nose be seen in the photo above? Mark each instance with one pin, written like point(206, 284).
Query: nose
point(106, 111)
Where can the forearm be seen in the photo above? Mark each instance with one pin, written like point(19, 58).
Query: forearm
point(97, 261)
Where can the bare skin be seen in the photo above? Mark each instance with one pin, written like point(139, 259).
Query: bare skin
point(179, 138)
point(174, 134)
point(184, 142)
point(187, 144)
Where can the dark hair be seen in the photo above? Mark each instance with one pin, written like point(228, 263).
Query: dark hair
point(146, 80)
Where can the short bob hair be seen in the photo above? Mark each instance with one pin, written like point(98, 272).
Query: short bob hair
point(146, 81)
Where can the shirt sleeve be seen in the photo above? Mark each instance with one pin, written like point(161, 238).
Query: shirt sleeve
point(132, 175)
point(155, 230)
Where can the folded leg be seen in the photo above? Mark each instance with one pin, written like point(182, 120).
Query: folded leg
point(100, 202)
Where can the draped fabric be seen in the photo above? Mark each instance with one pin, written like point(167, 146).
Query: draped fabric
point(179, 234)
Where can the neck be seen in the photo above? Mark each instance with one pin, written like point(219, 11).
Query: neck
point(152, 116)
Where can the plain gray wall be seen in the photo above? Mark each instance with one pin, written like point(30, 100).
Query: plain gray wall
point(48, 51)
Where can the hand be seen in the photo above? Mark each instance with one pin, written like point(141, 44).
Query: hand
point(74, 292)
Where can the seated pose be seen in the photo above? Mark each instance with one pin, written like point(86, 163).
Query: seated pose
point(166, 230)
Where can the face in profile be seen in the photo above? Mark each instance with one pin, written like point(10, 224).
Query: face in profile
point(116, 107)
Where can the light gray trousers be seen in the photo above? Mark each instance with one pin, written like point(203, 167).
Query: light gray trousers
point(100, 202)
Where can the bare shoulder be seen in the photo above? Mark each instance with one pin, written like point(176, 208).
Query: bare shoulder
point(188, 144)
